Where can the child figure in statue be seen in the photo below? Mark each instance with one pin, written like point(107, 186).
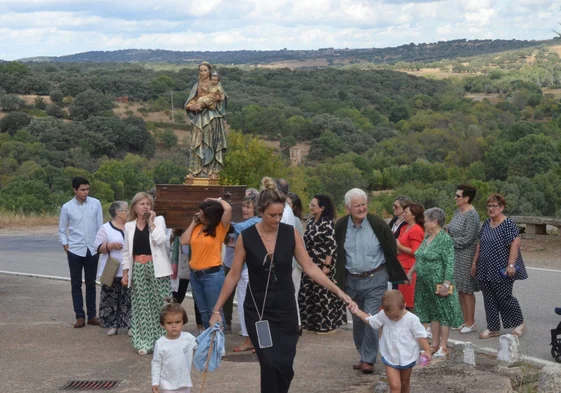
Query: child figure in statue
point(215, 93)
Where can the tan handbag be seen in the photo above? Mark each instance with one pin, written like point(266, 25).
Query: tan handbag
point(109, 271)
point(450, 290)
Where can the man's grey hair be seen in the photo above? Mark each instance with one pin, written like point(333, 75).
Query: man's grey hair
point(354, 193)
point(436, 214)
point(116, 207)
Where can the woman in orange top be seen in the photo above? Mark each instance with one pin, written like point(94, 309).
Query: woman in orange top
point(205, 236)
point(410, 238)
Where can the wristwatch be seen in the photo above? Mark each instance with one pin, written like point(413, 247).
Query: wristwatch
point(511, 265)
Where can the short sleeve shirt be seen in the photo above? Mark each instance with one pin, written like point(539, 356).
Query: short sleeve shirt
point(398, 344)
point(494, 250)
point(206, 251)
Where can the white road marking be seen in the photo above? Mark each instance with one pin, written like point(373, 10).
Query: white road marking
point(543, 270)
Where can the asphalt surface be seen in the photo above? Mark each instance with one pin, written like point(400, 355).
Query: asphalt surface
point(538, 295)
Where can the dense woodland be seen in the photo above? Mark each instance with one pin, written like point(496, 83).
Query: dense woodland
point(386, 131)
point(424, 52)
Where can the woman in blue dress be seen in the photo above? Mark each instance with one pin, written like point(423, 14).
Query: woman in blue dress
point(497, 264)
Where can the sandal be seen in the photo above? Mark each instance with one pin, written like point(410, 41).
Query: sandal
point(519, 330)
point(434, 349)
point(488, 334)
point(441, 353)
point(239, 348)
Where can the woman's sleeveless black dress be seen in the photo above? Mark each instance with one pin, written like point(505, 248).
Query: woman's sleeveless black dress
point(280, 308)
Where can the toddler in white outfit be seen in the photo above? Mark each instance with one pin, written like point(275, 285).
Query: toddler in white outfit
point(401, 335)
point(173, 353)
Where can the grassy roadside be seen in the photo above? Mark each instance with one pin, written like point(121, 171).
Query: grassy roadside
point(20, 220)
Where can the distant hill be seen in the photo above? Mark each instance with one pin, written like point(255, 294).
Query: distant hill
point(410, 53)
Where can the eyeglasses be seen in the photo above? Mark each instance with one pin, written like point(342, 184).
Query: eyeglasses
point(396, 206)
point(458, 196)
point(492, 206)
point(312, 205)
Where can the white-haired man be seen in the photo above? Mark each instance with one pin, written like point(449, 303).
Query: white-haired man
point(366, 261)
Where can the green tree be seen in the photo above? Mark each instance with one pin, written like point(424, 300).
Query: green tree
point(55, 111)
point(11, 102)
point(169, 172)
point(40, 103)
point(56, 96)
point(88, 104)
point(248, 160)
point(14, 121)
point(126, 177)
point(168, 138)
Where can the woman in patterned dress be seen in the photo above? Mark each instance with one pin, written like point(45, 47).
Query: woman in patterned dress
point(114, 301)
point(435, 265)
point(320, 310)
point(409, 240)
point(464, 231)
point(146, 271)
point(499, 249)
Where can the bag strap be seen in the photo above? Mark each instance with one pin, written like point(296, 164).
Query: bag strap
point(271, 266)
point(260, 315)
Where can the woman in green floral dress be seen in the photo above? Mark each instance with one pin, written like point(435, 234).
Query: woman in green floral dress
point(434, 264)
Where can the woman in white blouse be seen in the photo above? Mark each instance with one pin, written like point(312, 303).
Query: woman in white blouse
point(146, 270)
point(114, 301)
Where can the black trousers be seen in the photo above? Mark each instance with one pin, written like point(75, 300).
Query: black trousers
point(76, 265)
point(179, 296)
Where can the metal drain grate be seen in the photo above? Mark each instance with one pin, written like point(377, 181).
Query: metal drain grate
point(90, 385)
point(245, 358)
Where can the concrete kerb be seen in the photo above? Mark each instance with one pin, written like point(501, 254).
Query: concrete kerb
point(493, 352)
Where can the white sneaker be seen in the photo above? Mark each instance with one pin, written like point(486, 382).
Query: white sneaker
point(458, 328)
point(441, 353)
point(468, 329)
point(142, 352)
point(130, 333)
point(112, 331)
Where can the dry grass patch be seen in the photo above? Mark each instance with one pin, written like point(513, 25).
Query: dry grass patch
point(20, 220)
point(30, 99)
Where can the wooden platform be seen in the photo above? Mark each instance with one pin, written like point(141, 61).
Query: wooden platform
point(177, 203)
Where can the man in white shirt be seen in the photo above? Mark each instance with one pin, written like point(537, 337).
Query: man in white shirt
point(80, 219)
point(287, 214)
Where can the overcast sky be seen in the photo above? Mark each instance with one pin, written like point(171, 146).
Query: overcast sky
point(59, 27)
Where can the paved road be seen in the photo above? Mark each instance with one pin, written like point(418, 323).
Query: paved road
point(538, 295)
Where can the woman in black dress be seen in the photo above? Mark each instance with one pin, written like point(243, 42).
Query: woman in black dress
point(268, 248)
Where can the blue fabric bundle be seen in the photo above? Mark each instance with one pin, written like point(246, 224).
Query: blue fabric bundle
point(203, 342)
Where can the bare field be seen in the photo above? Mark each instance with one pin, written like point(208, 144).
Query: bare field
point(121, 109)
point(556, 92)
point(303, 146)
point(294, 64)
point(493, 98)
point(436, 73)
point(30, 99)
